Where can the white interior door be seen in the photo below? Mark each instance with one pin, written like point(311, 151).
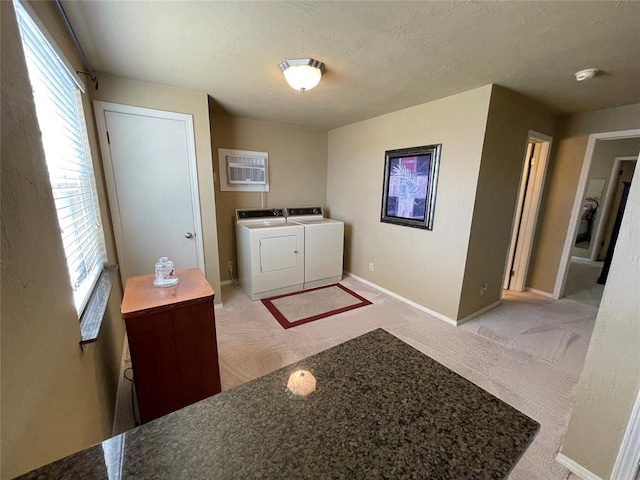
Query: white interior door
point(530, 197)
point(517, 223)
point(149, 161)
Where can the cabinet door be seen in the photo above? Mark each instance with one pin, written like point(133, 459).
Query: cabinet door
point(155, 366)
point(197, 353)
point(175, 358)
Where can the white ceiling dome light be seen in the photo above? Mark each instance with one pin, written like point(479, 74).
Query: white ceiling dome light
point(303, 73)
point(586, 74)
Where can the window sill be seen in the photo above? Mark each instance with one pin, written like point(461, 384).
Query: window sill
point(91, 319)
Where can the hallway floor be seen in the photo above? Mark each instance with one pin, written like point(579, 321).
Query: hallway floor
point(581, 283)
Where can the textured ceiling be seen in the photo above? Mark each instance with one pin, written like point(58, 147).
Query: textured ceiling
point(380, 56)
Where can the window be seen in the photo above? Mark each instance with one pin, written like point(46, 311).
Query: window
point(57, 94)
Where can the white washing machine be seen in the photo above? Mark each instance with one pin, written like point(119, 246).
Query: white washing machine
point(270, 253)
point(323, 245)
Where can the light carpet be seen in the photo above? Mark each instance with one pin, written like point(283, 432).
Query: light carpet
point(539, 384)
point(556, 332)
point(581, 284)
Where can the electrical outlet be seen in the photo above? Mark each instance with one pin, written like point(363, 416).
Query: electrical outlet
point(230, 265)
point(483, 288)
point(371, 267)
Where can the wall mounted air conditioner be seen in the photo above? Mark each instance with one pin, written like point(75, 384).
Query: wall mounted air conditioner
point(243, 170)
point(246, 170)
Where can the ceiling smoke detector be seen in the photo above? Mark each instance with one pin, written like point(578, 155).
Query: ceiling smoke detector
point(586, 74)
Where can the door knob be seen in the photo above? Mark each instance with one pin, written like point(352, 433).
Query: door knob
point(189, 235)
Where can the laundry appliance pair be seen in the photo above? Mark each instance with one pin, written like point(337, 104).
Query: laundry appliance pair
point(284, 250)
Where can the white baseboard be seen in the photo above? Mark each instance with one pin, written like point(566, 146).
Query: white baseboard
point(439, 316)
point(540, 292)
point(583, 260)
point(226, 282)
point(479, 312)
point(576, 468)
point(217, 306)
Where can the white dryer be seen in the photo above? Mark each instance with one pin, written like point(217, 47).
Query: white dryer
point(323, 245)
point(270, 253)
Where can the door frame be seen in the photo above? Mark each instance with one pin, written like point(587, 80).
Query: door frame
point(572, 228)
point(627, 462)
point(101, 108)
point(608, 200)
point(527, 210)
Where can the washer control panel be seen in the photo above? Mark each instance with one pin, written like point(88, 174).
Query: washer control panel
point(260, 213)
point(304, 211)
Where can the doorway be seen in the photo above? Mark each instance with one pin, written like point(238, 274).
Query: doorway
point(596, 226)
point(623, 170)
point(150, 171)
point(596, 187)
point(534, 170)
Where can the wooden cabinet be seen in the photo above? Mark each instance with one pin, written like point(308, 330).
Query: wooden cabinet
point(172, 340)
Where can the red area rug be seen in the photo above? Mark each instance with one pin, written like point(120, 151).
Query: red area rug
point(306, 306)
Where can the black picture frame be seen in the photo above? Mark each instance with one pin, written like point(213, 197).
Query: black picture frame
point(409, 190)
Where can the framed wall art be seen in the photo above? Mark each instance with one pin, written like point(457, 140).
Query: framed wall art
point(409, 191)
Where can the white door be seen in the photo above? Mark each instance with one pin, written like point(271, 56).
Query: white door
point(526, 215)
point(149, 161)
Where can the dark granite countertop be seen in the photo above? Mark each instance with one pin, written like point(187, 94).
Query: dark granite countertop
point(381, 410)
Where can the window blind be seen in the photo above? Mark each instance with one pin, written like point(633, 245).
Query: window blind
point(64, 138)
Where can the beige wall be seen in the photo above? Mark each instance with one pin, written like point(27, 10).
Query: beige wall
point(610, 380)
point(511, 117)
point(559, 194)
point(424, 266)
point(604, 156)
point(56, 399)
point(562, 183)
point(161, 97)
point(605, 120)
point(297, 171)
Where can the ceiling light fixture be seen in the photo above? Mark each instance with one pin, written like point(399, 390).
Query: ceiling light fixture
point(303, 73)
point(586, 74)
